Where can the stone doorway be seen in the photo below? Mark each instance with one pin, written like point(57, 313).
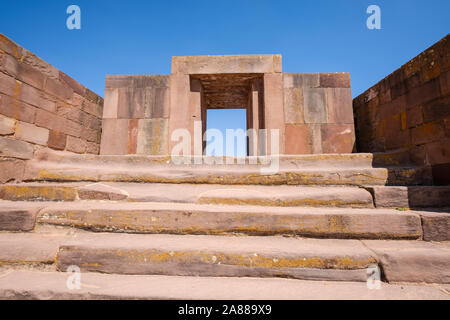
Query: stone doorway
point(232, 91)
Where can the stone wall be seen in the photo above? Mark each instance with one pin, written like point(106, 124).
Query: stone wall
point(135, 117)
point(41, 107)
point(318, 113)
point(410, 110)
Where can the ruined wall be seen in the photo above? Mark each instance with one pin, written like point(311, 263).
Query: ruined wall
point(410, 109)
point(318, 113)
point(41, 107)
point(135, 117)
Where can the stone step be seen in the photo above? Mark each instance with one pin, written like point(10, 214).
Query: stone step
point(311, 259)
point(289, 173)
point(53, 286)
point(188, 255)
point(176, 218)
point(330, 196)
point(351, 160)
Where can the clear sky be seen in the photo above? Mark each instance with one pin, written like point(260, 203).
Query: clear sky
point(140, 36)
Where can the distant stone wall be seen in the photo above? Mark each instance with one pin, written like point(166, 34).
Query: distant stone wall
point(318, 113)
point(41, 107)
point(135, 117)
point(410, 109)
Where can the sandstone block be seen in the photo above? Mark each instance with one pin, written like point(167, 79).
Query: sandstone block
point(335, 80)
point(301, 80)
point(7, 125)
point(57, 140)
point(293, 106)
point(436, 226)
point(31, 133)
point(16, 109)
point(75, 145)
point(298, 139)
point(15, 148)
point(152, 137)
point(339, 105)
point(114, 137)
point(337, 138)
point(315, 105)
point(10, 169)
point(227, 64)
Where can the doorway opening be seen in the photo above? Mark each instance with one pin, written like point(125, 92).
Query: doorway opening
point(234, 101)
point(229, 126)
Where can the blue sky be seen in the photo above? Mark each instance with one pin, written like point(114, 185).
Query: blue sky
point(140, 36)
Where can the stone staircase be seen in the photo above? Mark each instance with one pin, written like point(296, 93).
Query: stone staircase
point(224, 231)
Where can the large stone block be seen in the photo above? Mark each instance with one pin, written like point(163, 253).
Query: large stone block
point(9, 86)
point(10, 47)
point(152, 137)
point(57, 140)
point(226, 64)
point(10, 169)
point(335, 80)
point(7, 125)
point(75, 145)
point(339, 105)
point(315, 105)
point(299, 139)
point(71, 83)
point(15, 148)
point(427, 92)
point(337, 138)
point(31, 133)
point(114, 137)
point(428, 132)
point(58, 89)
point(301, 80)
point(293, 106)
point(274, 109)
point(36, 98)
point(436, 225)
point(438, 152)
point(13, 108)
point(111, 103)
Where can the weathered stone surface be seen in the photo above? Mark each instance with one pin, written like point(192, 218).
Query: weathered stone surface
point(339, 105)
point(315, 105)
point(391, 197)
point(226, 64)
point(99, 191)
point(298, 139)
point(13, 218)
point(16, 109)
point(335, 80)
point(31, 133)
point(7, 125)
point(218, 256)
point(111, 103)
point(52, 286)
point(36, 98)
point(337, 138)
point(114, 136)
point(189, 218)
point(415, 261)
point(293, 106)
point(274, 109)
point(11, 169)
point(38, 192)
point(57, 140)
point(28, 248)
point(301, 80)
point(152, 137)
point(436, 225)
point(15, 148)
point(75, 145)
